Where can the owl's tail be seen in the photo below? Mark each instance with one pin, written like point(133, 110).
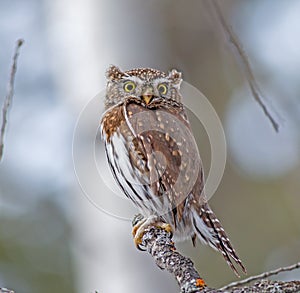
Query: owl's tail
point(209, 230)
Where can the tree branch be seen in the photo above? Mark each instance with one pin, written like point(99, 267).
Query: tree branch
point(262, 276)
point(232, 38)
point(158, 243)
point(5, 290)
point(10, 94)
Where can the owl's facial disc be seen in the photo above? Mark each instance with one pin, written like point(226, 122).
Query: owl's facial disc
point(147, 94)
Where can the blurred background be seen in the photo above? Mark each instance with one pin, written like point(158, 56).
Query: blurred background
point(53, 237)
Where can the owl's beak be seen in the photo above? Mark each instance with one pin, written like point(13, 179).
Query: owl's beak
point(147, 95)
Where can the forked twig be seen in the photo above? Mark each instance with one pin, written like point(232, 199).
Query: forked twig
point(261, 276)
point(256, 92)
point(10, 94)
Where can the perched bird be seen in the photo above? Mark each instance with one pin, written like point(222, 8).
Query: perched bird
point(154, 158)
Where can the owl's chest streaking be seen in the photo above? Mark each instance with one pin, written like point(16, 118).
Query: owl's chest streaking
point(153, 156)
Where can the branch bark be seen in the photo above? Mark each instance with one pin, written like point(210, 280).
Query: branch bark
point(158, 243)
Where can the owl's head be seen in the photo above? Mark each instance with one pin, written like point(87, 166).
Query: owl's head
point(149, 86)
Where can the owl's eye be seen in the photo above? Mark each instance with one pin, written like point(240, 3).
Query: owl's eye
point(129, 86)
point(162, 88)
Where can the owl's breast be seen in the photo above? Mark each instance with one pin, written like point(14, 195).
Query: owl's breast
point(117, 131)
point(152, 154)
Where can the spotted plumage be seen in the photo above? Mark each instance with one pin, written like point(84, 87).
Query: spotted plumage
point(153, 155)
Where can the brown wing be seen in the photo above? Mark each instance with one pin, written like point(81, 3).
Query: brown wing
point(163, 138)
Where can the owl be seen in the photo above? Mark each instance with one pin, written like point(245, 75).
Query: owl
point(153, 157)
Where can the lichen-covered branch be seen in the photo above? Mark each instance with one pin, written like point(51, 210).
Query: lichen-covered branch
point(158, 243)
point(10, 94)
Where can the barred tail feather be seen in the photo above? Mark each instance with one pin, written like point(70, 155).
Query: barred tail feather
point(209, 231)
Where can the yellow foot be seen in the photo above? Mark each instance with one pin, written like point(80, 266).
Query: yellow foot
point(141, 224)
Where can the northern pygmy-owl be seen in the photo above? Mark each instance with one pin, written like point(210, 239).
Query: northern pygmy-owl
point(153, 157)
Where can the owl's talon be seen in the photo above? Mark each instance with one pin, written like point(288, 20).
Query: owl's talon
point(136, 219)
point(139, 246)
point(140, 227)
point(167, 227)
point(136, 227)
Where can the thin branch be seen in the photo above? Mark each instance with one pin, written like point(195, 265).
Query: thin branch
point(262, 276)
point(256, 92)
point(10, 94)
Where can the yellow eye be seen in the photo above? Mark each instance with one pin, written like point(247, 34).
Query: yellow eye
point(129, 86)
point(162, 88)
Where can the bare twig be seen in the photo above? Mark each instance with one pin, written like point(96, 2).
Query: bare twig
point(262, 276)
point(10, 94)
point(256, 92)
